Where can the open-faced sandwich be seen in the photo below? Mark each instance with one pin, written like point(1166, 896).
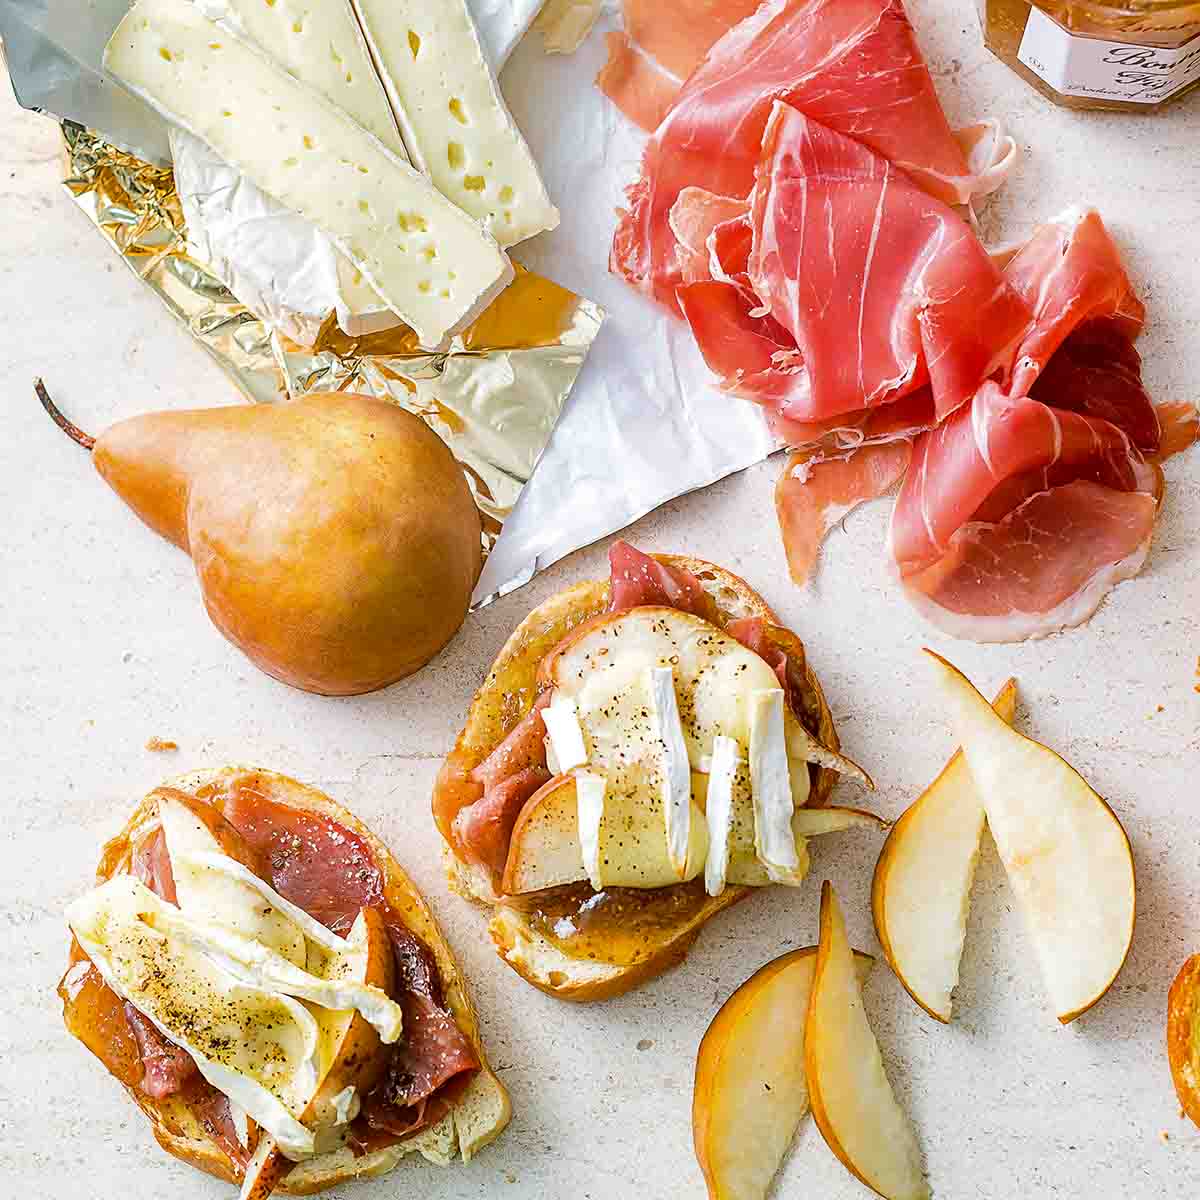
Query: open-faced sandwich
point(645, 750)
point(271, 990)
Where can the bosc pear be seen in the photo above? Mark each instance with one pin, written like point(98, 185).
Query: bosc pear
point(334, 537)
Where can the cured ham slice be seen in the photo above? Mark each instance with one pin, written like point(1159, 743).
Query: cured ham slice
point(712, 231)
point(984, 449)
point(853, 65)
point(1069, 273)
point(659, 48)
point(483, 830)
point(640, 87)
point(1016, 517)
point(879, 284)
point(639, 579)
point(1043, 568)
point(814, 493)
point(1179, 421)
point(168, 1069)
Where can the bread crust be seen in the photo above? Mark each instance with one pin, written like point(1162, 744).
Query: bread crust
point(477, 1117)
point(508, 693)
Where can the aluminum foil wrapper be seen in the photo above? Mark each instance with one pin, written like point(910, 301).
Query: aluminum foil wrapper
point(644, 422)
point(493, 396)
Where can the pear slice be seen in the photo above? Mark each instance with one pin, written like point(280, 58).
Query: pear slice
point(353, 1058)
point(851, 1097)
point(546, 851)
point(1067, 856)
point(750, 1093)
point(922, 888)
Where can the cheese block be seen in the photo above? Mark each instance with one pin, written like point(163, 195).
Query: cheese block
point(434, 266)
point(453, 118)
point(320, 43)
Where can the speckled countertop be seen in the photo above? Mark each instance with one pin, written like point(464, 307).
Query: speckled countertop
point(104, 644)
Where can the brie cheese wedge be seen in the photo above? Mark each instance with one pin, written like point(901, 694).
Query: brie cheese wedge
point(719, 812)
point(589, 796)
point(454, 120)
point(677, 770)
point(565, 734)
point(433, 265)
point(771, 787)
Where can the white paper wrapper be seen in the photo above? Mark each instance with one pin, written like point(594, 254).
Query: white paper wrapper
point(644, 422)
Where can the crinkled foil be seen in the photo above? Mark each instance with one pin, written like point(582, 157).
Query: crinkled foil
point(493, 396)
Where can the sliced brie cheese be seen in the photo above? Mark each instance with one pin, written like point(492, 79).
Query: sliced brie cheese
point(454, 120)
point(218, 895)
point(434, 266)
point(318, 42)
point(676, 768)
point(771, 787)
point(253, 965)
point(589, 797)
point(719, 812)
point(565, 733)
point(258, 1047)
point(606, 668)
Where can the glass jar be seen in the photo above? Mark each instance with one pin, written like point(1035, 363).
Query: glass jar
point(1132, 56)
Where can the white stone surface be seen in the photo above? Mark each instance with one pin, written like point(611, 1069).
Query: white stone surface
point(103, 644)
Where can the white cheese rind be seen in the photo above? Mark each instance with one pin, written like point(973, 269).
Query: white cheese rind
point(771, 786)
point(453, 117)
point(434, 266)
point(589, 799)
point(320, 43)
point(561, 719)
point(676, 769)
point(719, 812)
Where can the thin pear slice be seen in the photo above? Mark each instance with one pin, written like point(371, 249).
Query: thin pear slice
point(813, 822)
point(750, 1094)
point(1067, 856)
point(852, 1100)
point(922, 888)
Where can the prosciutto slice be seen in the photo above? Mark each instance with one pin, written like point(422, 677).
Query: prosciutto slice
point(660, 47)
point(1017, 517)
point(1069, 273)
point(880, 285)
point(853, 65)
point(815, 492)
point(639, 579)
point(167, 1068)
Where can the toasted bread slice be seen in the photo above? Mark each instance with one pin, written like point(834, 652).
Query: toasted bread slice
point(507, 695)
point(479, 1114)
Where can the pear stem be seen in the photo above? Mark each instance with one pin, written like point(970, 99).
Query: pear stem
point(68, 427)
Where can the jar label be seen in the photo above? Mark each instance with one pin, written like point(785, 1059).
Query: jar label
point(1084, 66)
